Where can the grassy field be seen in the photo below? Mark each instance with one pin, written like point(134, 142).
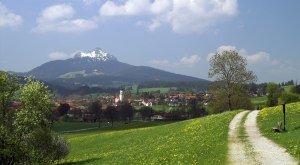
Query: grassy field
point(158, 107)
point(196, 141)
point(268, 118)
point(70, 126)
point(288, 88)
point(75, 126)
point(259, 101)
point(161, 89)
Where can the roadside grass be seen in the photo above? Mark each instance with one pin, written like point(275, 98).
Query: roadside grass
point(196, 141)
point(259, 101)
point(268, 118)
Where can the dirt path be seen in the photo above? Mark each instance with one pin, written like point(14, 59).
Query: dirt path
point(268, 151)
point(237, 150)
point(253, 148)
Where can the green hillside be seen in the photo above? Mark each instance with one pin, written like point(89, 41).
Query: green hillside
point(259, 101)
point(268, 118)
point(196, 141)
point(288, 88)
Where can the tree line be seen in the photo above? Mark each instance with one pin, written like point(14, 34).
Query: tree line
point(126, 112)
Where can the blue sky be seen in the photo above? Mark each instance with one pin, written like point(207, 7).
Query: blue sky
point(174, 35)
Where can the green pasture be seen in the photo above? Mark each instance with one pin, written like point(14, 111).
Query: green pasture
point(269, 117)
point(259, 101)
point(186, 142)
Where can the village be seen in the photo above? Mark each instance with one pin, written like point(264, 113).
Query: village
point(173, 105)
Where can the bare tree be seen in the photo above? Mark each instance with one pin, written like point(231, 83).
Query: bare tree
point(229, 69)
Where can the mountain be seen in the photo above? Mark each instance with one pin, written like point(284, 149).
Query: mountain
point(99, 68)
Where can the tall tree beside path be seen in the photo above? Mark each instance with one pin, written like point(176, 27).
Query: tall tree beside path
point(231, 78)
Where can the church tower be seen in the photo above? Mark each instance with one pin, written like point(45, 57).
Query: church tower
point(121, 96)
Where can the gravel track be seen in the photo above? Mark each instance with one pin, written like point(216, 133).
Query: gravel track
point(256, 149)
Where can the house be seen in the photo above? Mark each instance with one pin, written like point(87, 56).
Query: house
point(157, 117)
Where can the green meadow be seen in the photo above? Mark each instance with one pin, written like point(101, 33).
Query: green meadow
point(259, 101)
point(196, 141)
point(165, 108)
point(269, 117)
point(160, 89)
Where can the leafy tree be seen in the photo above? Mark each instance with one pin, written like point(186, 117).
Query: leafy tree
point(36, 102)
point(126, 112)
point(219, 103)
point(111, 114)
point(296, 89)
point(95, 108)
point(230, 71)
point(177, 113)
point(8, 87)
point(194, 108)
point(63, 109)
point(26, 138)
point(290, 97)
point(146, 112)
point(273, 93)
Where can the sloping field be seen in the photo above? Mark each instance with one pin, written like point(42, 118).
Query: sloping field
point(269, 117)
point(197, 141)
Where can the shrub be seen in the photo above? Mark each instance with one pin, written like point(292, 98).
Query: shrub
point(273, 94)
point(146, 112)
point(290, 97)
point(59, 148)
point(296, 89)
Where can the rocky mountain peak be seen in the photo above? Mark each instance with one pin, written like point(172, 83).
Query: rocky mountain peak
point(96, 55)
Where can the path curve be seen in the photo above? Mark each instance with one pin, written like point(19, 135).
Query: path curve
point(267, 151)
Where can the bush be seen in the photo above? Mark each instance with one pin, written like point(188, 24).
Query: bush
point(273, 94)
point(290, 97)
point(59, 148)
point(146, 112)
point(296, 89)
point(44, 147)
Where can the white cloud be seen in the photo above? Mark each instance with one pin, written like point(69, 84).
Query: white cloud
point(190, 59)
point(59, 18)
point(160, 6)
point(183, 16)
point(185, 61)
point(226, 48)
point(59, 55)
point(221, 49)
point(8, 18)
point(57, 12)
point(260, 57)
point(131, 7)
point(256, 58)
point(154, 25)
